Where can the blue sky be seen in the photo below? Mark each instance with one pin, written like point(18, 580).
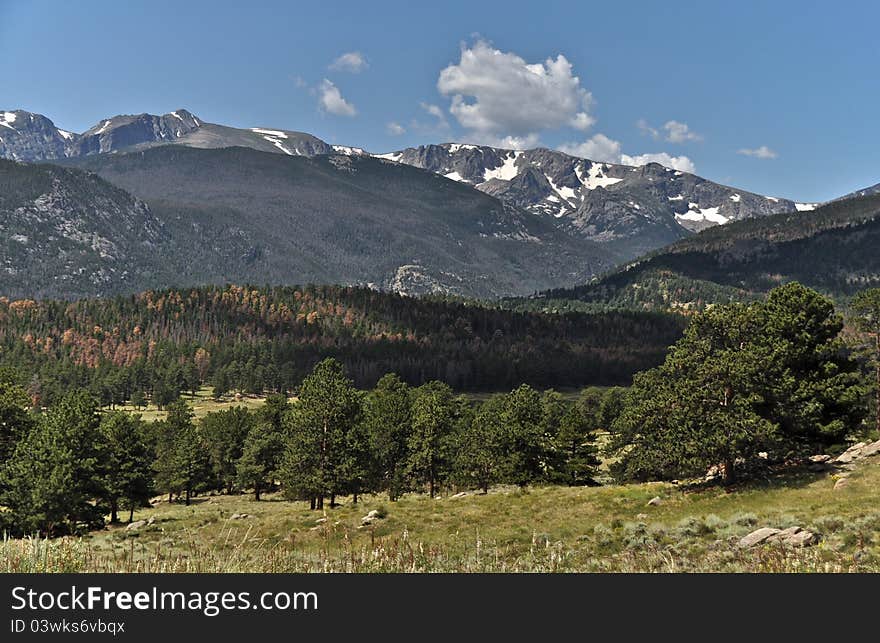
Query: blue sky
point(778, 99)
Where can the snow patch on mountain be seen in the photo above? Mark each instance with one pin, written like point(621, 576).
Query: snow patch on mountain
point(7, 119)
point(596, 176)
point(390, 156)
point(350, 151)
point(698, 214)
point(506, 171)
point(805, 207)
point(274, 137)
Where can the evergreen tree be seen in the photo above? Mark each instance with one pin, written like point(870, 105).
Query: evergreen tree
point(225, 433)
point(767, 377)
point(126, 463)
point(162, 440)
point(15, 420)
point(220, 384)
point(522, 415)
point(388, 422)
point(54, 476)
point(138, 399)
point(810, 383)
point(182, 463)
point(264, 446)
point(482, 446)
point(328, 409)
point(866, 311)
point(435, 415)
point(191, 463)
point(575, 445)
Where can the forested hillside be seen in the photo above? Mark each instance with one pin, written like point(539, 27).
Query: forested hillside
point(832, 249)
point(159, 343)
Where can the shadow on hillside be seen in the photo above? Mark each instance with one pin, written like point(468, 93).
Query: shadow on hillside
point(778, 477)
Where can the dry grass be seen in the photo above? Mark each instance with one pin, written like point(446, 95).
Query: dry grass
point(553, 529)
point(202, 403)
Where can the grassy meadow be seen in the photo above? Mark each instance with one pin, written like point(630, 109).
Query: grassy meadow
point(202, 403)
point(542, 529)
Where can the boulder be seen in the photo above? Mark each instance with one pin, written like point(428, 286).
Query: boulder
point(858, 452)
point(791, 536)
point(841, 483)
point(656, 500)
point(239, 516)
point(802, 538)
point(758, 536)
point(134, 526)
point(820, 458)
point(784, 534)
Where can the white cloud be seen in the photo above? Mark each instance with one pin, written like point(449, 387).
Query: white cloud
point(352, 61)
point(680, 132)
point(598, 148)
point(330, 100)
point(526, 142)
point(675, 131)
point(680, 163)
point(395, 129)
point(646, 128)
point(437, 112)
point(762, 152)
point(607, 150)
point(498, 94)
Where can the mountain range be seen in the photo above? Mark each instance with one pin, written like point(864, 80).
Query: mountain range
point(276, 206)
point(832, 249)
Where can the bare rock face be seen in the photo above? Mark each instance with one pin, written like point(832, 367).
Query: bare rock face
point(634, 208)
point(30, 137)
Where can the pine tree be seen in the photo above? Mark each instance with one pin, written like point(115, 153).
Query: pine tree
point(191, 463)
point(264, 446)
point(15, 420)
point(225, 433)
point(327, 410)
point(768, 377)
point(388, 422)
point(866, 311)
point(126, 463)
point(575, 442)
point(435, 416)
point(482, 446)
point(523, 418)
point(53, 478)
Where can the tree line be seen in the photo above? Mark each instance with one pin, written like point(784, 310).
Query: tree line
point(747, 388)
point(156, 345)
point(74, 466)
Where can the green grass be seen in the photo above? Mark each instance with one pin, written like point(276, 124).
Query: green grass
point(552, 529)
point(202, 403)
